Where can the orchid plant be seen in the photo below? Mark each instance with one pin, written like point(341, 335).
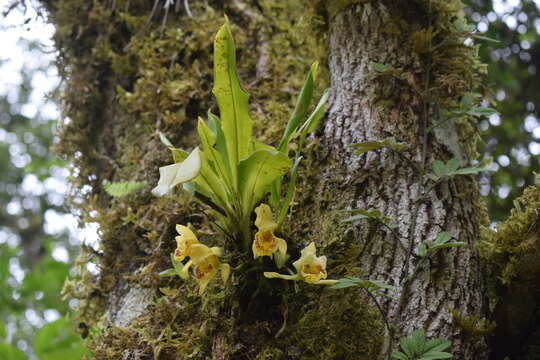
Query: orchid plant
point(231, 171)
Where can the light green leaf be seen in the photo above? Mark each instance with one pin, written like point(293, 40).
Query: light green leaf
point(211, 184)
point(179, 155)
point(481, 37)
point(472, 170)
point(221, 146)
point(443, 237)
point(286, 203)
point(232, 99)
point(437, 345)
point(301, 108)
point(168, 273)
point(257, 172)
point(399, 355)
point(311, 123)
point(208, 140)
point(172, 175)
point(119, 189)
point(380, 67)
point(482, 111)
point(448, 245)
point(436, 356)
point(3, 332)
point(58, 340)
point(439, 168)
point(452, 165)
point(10, 352)
point(375, 145)
point(422, 250)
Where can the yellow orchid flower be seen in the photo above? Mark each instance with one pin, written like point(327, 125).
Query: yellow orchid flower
point(266, 243)
point(309, 268)
point(207, 265)
point(184, 243)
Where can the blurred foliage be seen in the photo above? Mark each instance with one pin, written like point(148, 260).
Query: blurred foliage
point(35, 242)
point(512, 138)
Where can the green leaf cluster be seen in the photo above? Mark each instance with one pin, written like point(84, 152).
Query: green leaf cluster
point(442, 241)
point(417, 347)
point(232, 171)
point(359, 214)
point(124, 188)
point(389, 142)
point(451, 168)
point(374, 287)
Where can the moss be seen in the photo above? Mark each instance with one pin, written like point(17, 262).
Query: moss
point(338, 325)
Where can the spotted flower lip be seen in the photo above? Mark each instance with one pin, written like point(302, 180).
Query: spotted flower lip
point(265, 242)
point(204, 259)
point(309, 268)
point(207, 265)
point(184, 242)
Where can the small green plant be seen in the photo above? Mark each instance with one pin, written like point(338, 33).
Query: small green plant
point(376, 145)
point(120, 189)
point(417, 347)
point(232, 171)
point(442, 241)
point(451, 168)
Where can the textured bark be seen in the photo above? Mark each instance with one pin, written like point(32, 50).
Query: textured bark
point(384, 181)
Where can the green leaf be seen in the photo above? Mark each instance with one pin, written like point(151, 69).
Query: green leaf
point(437, 345)
point(220, 145)
point(58, 340)
point(301, 108)
point(443, 237)
point(436, 355)
point(359, 214)
point(179, 155)
point(208, 140)
point(342, 284)
point(471, 170)
point(447, 245)
point(119, 189)
point(452, 165)
point(286, 203)
point(482, 111)
point(422, 250)
point(168, 273)
point(3, 332)
point(311, 123)
point(10, 352)
point(399, 355)
point(257, 172)
point(375, 145)
point(481, 37)
point(232, 100)
point(439, 168)
point(380, 67)
point(211, 185)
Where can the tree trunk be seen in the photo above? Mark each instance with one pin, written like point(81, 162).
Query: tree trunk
point(132, 68)
point(367, 108)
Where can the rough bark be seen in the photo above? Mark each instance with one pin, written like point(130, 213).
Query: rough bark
point(452, 281)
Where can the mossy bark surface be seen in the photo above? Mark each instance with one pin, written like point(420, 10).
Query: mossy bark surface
point(133, 69)
point(368, 107)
